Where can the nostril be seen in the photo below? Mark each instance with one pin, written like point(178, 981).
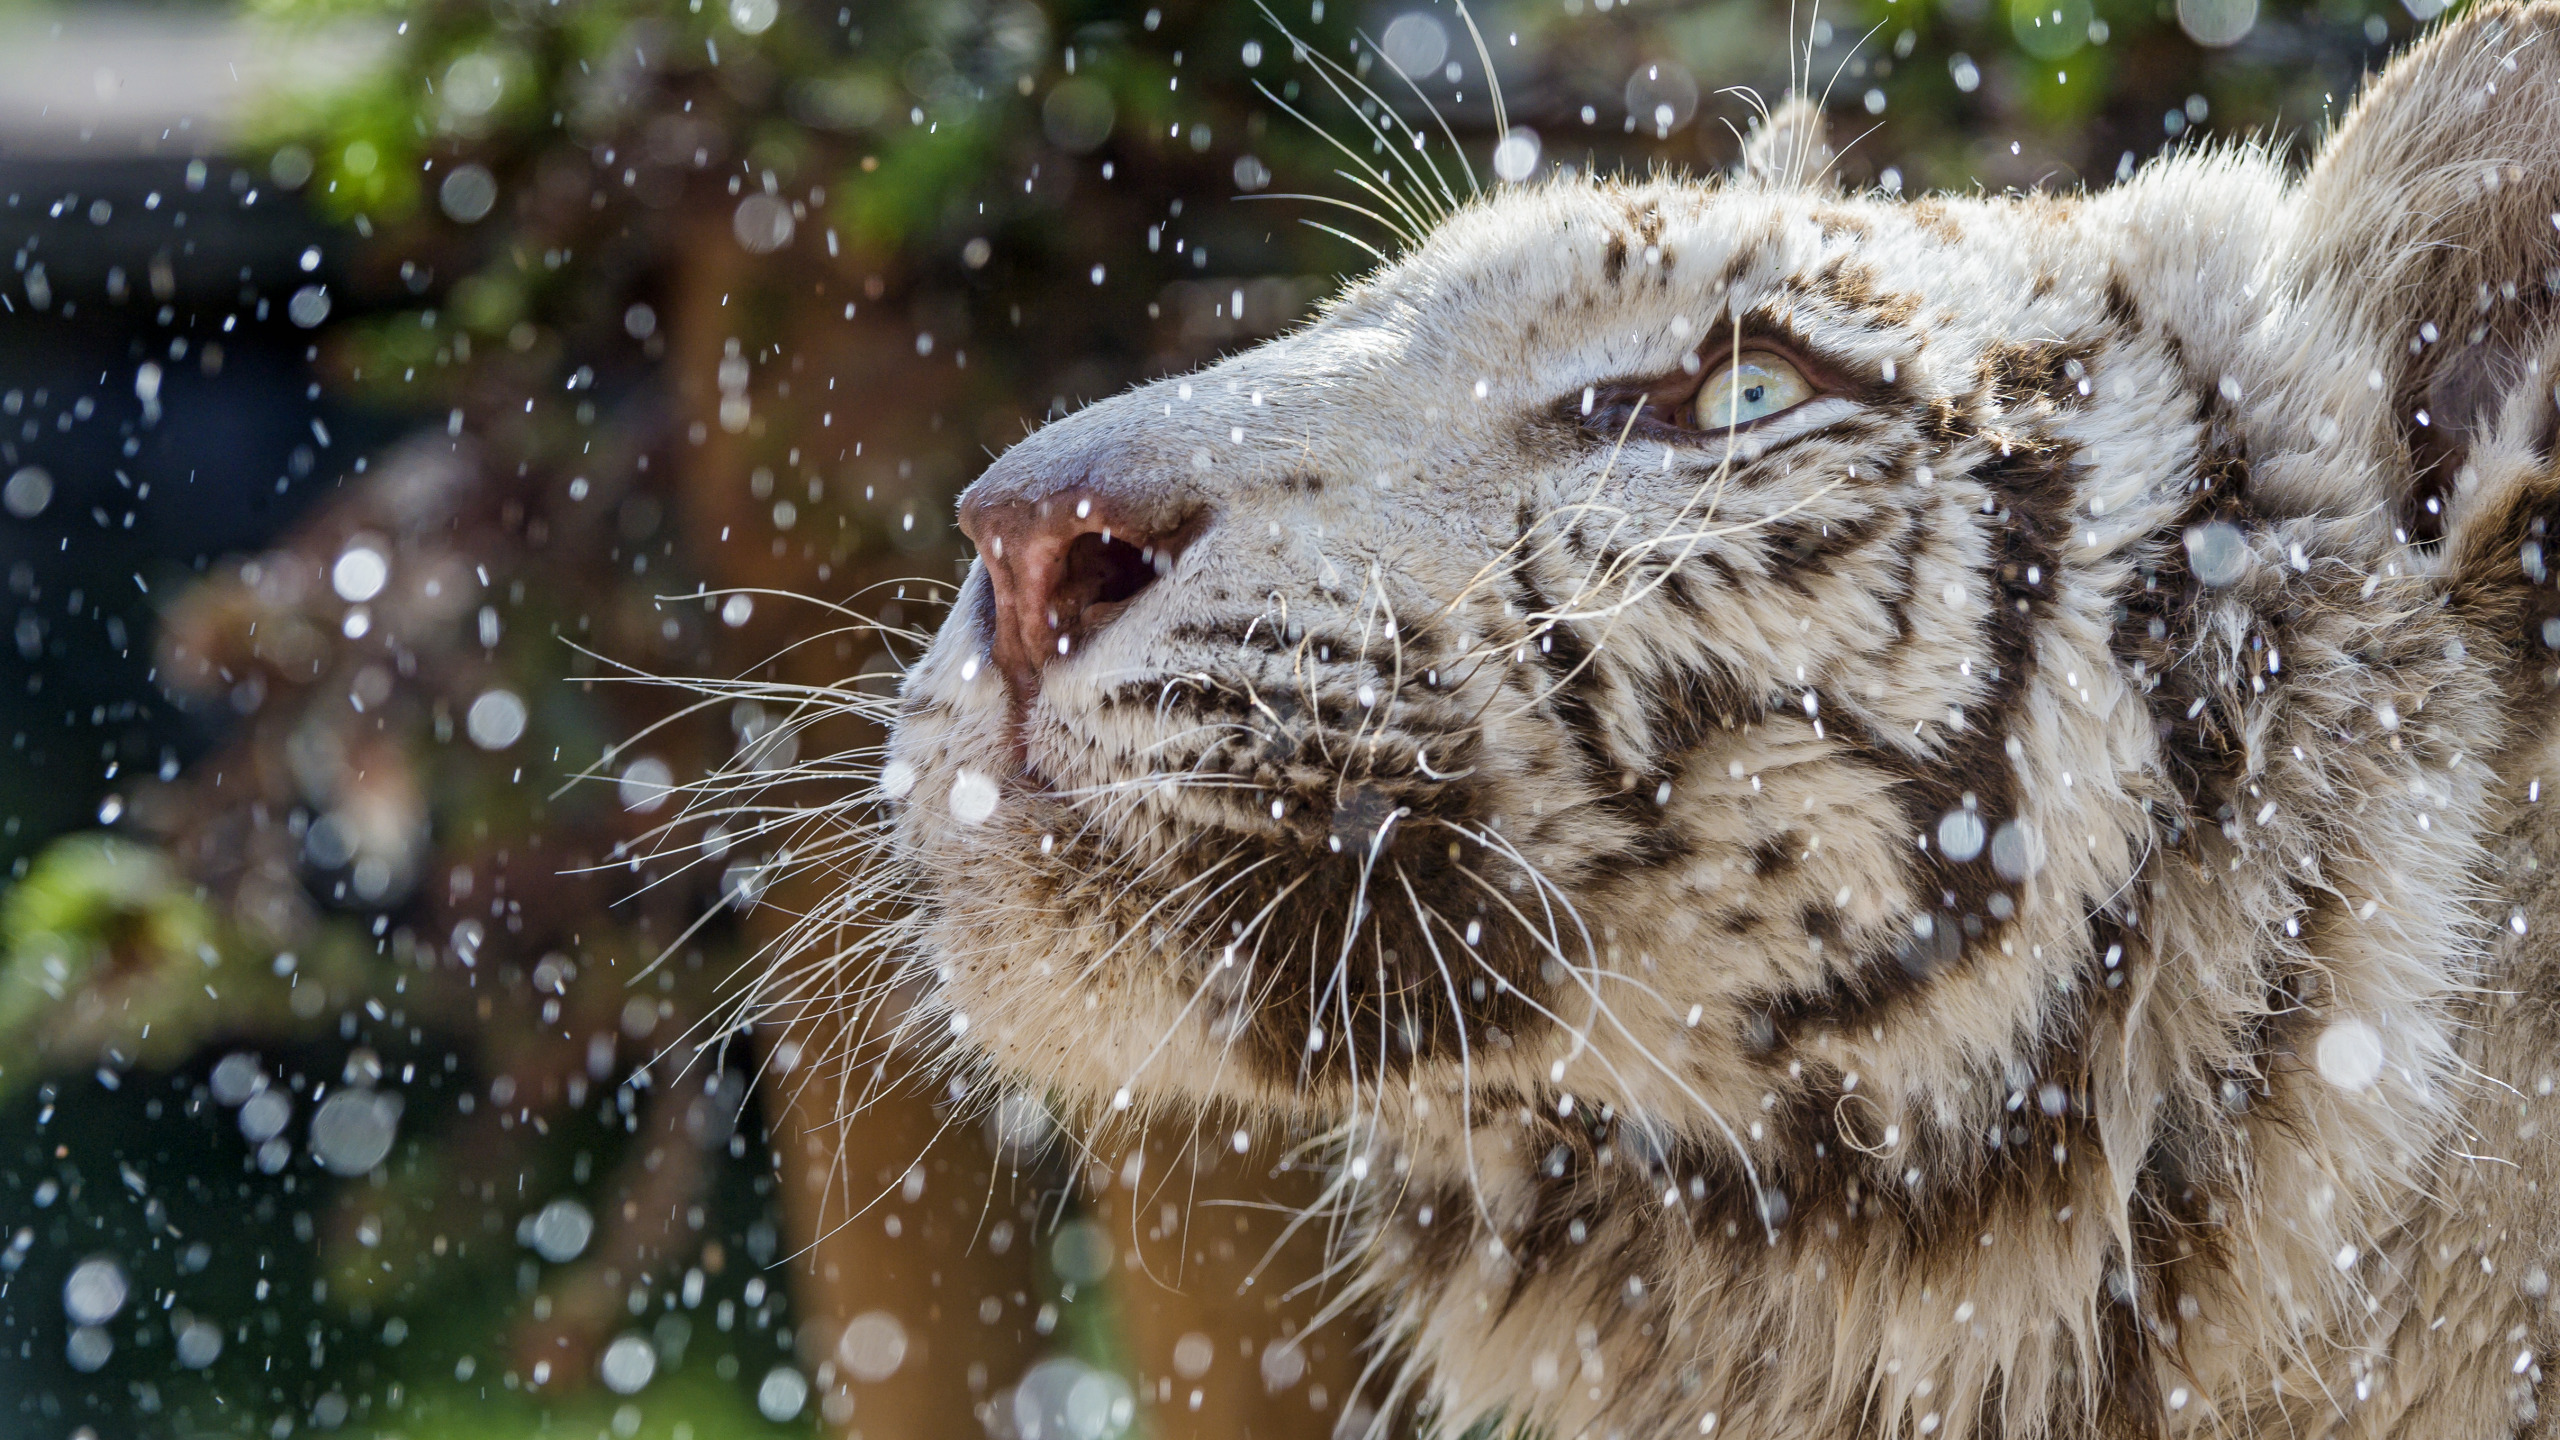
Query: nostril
point(1102, 569)
point(1060, 569)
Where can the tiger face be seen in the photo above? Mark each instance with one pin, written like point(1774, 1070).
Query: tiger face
point(1729, 715)
point(1651, 619)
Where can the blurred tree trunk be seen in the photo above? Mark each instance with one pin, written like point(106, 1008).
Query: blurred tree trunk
point(865, 1248)
point(853, 1117)
point(1216, 1296)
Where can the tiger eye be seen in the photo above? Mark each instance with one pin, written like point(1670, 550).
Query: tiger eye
point(1754, 387)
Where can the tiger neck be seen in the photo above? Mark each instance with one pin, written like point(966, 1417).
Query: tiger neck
point(2175, 1164)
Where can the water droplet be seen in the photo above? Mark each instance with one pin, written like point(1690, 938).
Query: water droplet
point(1283, 1365)
point(644, 784)
point(468, 194)
point(896, 779)
point(1063, 1398)
point(309, 306)
point(737, 610)
point(199, 1343)
point(1516, 158)
point(873, 1346)
point(628, 1364)
point(360, 573)
point(639, 1016)
point(2349, 1055)
point(496, 720)
point(1663, 93)
point(2217, 552)
point(763, 223)
point(973, 797)
point(1077, 115)
point(354, 1128)
point(560, 1230)
point(95, 1292)
point(743, 882)
point(2217, 23)
point(28, 492)
point(237, 1077)
point(2014, 851)
point(88, 1348)
point(1415, 43)
point(782, 1394)
point(264, 1115)
point(753, 17)
point(1023, 1125)
point(473, 84)
point(1960, 835)
point(1081, 1253)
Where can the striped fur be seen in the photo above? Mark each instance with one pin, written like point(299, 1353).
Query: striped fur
point(1871, 925)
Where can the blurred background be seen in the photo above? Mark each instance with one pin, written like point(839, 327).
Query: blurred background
point(388, 390)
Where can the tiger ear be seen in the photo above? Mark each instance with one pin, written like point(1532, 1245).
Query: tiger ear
point(1787, 148)
point(2432, 218)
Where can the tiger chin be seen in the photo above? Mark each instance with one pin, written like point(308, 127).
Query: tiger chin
point(1871, 817)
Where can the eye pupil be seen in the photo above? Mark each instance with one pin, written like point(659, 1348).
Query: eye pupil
point(1755, 393)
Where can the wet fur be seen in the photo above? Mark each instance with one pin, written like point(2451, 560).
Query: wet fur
point(1686, 1083)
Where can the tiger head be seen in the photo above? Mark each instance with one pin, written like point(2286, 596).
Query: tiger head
point(1813, 678)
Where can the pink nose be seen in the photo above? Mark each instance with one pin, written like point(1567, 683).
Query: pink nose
point(1062, 567)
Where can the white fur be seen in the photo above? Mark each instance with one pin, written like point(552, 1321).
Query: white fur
point(2225, 1241)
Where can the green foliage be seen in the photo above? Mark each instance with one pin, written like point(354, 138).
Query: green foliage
point(918, 172)
point(692, 1403)
point(91, 902)
point(111, 958)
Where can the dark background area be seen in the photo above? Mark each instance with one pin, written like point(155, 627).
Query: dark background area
point(169, 263)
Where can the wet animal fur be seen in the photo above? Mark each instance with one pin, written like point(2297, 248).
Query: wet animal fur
point(2012, 899)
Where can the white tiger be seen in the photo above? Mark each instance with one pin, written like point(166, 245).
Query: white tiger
point(1876, 818)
